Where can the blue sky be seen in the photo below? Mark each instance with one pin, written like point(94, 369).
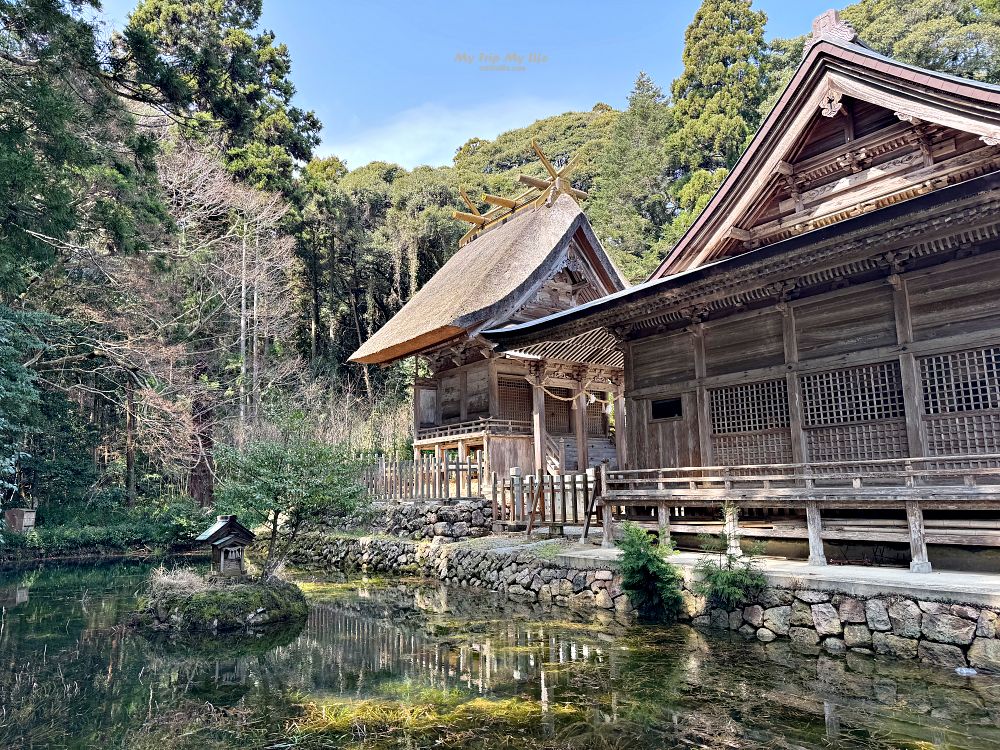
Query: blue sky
point(410, 82)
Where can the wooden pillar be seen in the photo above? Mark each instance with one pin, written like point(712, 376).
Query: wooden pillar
point(913, 402)
point(621, 448)
point(493, 383)
point(704, 405)
point(607, 518)
point(919, 562)
point(814, 527)
point(538, 422)
point(438, 460)
point(463, 451)
point(517, 494)
point(416, 406)
point(663, 520)
point(800, 453)
point(580, 429)
point(463, 395)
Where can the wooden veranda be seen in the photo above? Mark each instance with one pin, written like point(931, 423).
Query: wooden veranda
point(913, 485)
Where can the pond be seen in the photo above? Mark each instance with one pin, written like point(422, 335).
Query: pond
point(390, 664)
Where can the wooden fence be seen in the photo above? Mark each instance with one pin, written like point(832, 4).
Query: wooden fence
point(544, 500)
point(426, 478)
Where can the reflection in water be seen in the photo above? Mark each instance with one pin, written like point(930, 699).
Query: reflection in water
point(405, 665)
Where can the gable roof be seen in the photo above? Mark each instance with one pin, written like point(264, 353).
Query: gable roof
point(225, 526)
point(488, 279)
point(836, 65)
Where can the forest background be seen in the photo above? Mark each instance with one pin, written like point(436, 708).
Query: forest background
point(181, 277)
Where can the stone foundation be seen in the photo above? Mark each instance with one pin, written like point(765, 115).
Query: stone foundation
point(520, 571)
point(446, 520)
point(944, 634)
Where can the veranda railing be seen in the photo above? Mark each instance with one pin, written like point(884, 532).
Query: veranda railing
point(544, 500)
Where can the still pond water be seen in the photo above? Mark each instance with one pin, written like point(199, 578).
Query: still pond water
point(404, 665)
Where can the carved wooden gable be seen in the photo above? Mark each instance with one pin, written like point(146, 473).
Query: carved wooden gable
point(574, 283)
point(853, 132)
point(859, 158)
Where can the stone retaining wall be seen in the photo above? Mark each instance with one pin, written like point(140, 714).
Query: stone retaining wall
point(447, 520)
point(944, 634)
point(517, 570)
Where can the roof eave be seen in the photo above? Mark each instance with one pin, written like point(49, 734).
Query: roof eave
point(548, 328)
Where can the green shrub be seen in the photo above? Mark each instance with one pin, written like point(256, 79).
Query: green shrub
point(653, 585)
point(728, 580)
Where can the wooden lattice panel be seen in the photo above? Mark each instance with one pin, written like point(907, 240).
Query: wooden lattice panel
point(595, 418)
point(774, 447)
point(963, 434)
point(961, 381)
point(861, 442)
point(753, 407)
point(872, 393)
point(558, 411)
point(515, 399)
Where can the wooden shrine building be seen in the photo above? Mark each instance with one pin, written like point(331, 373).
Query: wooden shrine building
point(536, 409)
point(228, 539)
point(822, 347)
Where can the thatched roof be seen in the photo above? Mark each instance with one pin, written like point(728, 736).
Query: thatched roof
point(488, 280)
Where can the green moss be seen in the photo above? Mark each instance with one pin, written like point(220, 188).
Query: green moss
point(225, 607)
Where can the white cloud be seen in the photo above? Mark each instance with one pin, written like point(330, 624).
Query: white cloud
point(431, 133)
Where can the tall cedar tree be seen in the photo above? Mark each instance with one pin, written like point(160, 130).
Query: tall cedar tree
point(630, 206)
point(238, 80)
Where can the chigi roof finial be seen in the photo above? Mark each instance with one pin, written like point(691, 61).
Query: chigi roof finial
point(831, 26)
point(541, 190)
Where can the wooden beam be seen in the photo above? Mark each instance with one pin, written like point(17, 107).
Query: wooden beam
point(543, 159)
point(562, 185)
point(535, 182)
point(569, 166)
point(468, 202)
point(497, 200)
point(470, 218)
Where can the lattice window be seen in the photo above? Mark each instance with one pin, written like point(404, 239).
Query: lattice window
point(860, 442)
point(595, 418)
point(860, 394)
point(961, 381)
point(963, 434)
point(515, 399)
point(761, 448)
point(558, 413)
point(749, 408)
